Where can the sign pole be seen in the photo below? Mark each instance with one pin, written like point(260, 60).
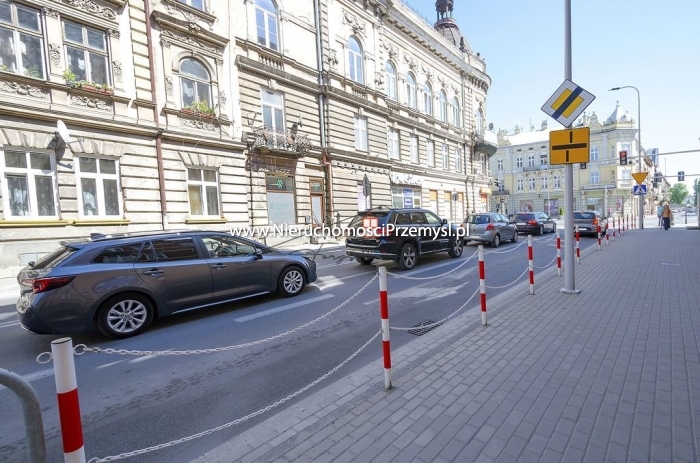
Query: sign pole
point(569, 277)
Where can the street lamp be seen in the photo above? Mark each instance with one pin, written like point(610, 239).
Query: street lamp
point(639, 148)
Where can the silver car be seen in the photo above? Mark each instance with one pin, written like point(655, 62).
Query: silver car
point(119, 284)
point(489, 227)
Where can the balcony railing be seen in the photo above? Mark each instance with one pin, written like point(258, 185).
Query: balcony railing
point(536, 168)
point(598, 186)
point(281, 140)
point(500, 193)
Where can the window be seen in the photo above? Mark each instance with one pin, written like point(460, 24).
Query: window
point(98, 183)
point(458, 160)
point(428, 99)
point(499, 164)
point(272, 110)
point(520, 184)
point(594, 153)
point(531, 183)
point(86, 53)
point(519, 162)
point(405, 197)
point(414, 148)
point(168, 250)
point(199, 4)
point(195, 85)
point(543, 159)
point(431, 153)
point(501, 186)
point(531, 160)
point(280, 200)
point(557, 181)
point(122, 254)
point(456, 113)
point(390, 80)
point(22, 48)
point(360, 133)
point(479, 121)
point(203, 190)
point(595, 177)
point(442, 99)
point(410, 91)
point(227, 246)
point(544, 183)
point(393, 142)
point(445, 157)
point(355, 60)
point(29, 180)
point(266, 22)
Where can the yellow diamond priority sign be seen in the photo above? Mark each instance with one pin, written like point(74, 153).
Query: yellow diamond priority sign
point(567, 103)
point(640, 176)
point(570, 146)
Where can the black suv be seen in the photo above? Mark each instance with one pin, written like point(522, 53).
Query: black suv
point(401, 235)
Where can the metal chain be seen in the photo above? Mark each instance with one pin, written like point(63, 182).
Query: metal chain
point(236, 421)
point(396, 275)
point(510, 284)
point(509, 249)
point(550, 263)
point(227, 348)
point(439, 322)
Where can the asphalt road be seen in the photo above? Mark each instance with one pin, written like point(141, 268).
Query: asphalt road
point(134, 402)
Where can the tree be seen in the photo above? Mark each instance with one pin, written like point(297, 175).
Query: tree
point(678, 193)
point(696, 190)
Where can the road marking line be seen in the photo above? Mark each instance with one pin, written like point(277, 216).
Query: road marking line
point(8, 324)
point(109, 364)
point(282, 308)
point(34, 376)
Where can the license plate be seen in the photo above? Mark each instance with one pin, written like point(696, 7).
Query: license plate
point(520, 223)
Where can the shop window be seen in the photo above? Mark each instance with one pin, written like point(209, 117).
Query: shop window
point(405, 197)
point(195, 86)
point(281, 207)
point(203, 191)
point(98, 183)
point(266, 21)
point(355, 58)
point(29, 184)
point(86, 53)
point(316, 193)
point(21, 40)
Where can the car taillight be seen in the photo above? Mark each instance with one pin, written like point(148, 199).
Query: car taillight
point(595, 221)
point(46, 284)
point(490, 226)
point(532, 222)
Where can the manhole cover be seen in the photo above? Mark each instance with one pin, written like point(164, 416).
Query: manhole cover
point(423, 327)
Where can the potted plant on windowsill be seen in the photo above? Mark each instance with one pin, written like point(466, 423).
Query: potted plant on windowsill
point(33, 72)
point(200, 108)
point(69, 76)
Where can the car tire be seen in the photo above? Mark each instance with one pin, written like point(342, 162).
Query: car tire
point(125, 315)
point(496, 241)
point(291, 281)
point(540, 232)
point(456, 248)
point(554, 228)
point(515, 237)
point(364, 260)
point(408, 257)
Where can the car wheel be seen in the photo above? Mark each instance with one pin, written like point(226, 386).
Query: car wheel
point(457, 248)
point(554, 228)
point(291, 281)
point(364, 260)
point(125, 315)
point(496, 241)
point(515, 237)
point(541, 230)
point(408, 257)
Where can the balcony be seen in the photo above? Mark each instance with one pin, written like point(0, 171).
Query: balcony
point(599, 186)
point(281, 140)
point(536, 168)
point(500, 193)
point(486, 141)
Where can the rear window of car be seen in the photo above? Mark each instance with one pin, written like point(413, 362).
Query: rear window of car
point(359, 220)
point(524, 216)
point(55, 258)
point(477, 219)
point(584, 215)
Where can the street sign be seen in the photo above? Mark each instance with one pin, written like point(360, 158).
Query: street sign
point(567, 103)
point(639, 189)
point(640, 176)
point(569, 146)
point(681, 176)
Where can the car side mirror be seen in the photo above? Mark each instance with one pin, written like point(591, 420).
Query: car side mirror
point(258, 253)
point(444, 221)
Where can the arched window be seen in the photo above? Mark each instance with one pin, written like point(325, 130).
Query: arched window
point(479, 121)
point(456, 113)
point(266, 21)
point(390, 80)
point(428, 99)
point(355, 60)
point(411, 91)
point(443, 106)
point(195, 85)
point(199, 4)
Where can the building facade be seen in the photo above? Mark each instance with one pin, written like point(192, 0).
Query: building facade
point(125, 115)
point(527, 182)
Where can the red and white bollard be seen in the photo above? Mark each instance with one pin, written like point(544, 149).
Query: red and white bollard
point(482, 285)
point(558, 254)
point(68, 404)
point(619, 226)
point(599, 242)
point(578, 248)
point(607, 233)
point(613, 229)
point(530, 264)
point(384, 311)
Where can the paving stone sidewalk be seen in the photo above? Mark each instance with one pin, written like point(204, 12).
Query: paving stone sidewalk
point(611, 374)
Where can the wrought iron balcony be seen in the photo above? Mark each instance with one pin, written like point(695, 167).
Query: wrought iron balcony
point(281, 140)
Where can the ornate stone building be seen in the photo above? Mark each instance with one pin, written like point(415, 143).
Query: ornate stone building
point(125, 115)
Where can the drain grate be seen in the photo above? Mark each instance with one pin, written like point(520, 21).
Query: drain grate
point(423, 327)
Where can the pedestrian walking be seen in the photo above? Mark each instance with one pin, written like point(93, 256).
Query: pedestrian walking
point(659, 210)
point(666, 217)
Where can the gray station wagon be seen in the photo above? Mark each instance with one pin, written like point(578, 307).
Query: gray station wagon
point(119, 284)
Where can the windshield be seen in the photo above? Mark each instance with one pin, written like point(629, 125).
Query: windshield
point(584, 215)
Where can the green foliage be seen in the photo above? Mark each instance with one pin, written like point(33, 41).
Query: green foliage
point(69, 75)
point(678, 193)
point(201, 107)
point(696, 190)
point(33, 72)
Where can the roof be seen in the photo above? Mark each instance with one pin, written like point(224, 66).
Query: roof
point(528, 137)
point(619, 115)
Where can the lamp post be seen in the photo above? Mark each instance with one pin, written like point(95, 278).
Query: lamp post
point(639, 148)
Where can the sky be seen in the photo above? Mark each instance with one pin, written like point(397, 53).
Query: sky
point(649, 44)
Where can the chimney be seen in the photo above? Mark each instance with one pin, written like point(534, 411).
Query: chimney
point(544, 124)
point(516, 130)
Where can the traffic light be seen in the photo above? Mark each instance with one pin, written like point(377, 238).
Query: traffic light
point(658, 178)
point(623, 158)
point(681, 175)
